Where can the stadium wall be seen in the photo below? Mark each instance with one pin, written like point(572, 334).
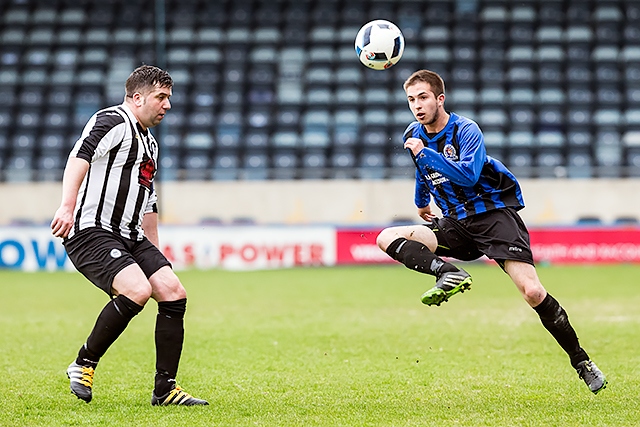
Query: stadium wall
point(337, 202)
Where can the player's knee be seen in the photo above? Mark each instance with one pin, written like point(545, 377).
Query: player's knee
point(381, 239)
point(534, 294)
point(177, 290)
point(386, 236)
point(167, 286)
point(138, 292)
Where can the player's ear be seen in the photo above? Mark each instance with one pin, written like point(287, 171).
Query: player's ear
point(137, 99)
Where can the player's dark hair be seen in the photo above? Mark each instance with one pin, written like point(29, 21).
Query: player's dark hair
point(145, 78)
point(434, 81)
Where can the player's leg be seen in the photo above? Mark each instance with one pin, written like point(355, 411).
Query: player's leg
point(555, 320)
point(171, 296)
point(169, 332)
point(106, 262)
point(131, 290)
point(415, 246)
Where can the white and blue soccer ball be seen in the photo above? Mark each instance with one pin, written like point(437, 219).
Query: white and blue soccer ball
point(379, 44)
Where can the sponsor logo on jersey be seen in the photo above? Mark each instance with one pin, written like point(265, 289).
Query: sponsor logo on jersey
point(436, 178)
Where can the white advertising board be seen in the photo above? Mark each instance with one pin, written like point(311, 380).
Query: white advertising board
point(236, 248)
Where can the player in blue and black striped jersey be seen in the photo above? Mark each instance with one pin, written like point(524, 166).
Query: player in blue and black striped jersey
point(479, 199)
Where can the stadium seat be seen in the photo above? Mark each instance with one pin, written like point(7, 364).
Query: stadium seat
point(492, 96)
point(19, 167)
point(551, 96)
point(314, 164)
point(524, 96)
point(579, 164)
point(550, 139)
point(521, 139)
point(255, 165)
point(550, 118)
point(550, 163)
point(521, 162)
point(259, 118)
point(225, 166)
point(285, 164)
point(285, 139)
point(6, 120)
point(549, 34)
point(522, 116)
point(551, 74)
point(256, 139)
point(343, 159)
point(372, 164)
point(579, 138)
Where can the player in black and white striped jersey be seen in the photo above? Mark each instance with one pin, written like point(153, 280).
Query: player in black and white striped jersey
point(108, 219)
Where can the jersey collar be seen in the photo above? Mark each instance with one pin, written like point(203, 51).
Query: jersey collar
point(423, 130)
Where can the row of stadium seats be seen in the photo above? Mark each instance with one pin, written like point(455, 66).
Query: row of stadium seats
point(248, 12)
point(554, 84)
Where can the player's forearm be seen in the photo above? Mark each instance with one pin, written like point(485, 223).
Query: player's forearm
point(465, 172)
point(74, 173)
point(150, 227)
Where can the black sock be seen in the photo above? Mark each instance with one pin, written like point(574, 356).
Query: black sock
point(169, 337)
point(112, 320)
point(416, 256)
point(556, 321)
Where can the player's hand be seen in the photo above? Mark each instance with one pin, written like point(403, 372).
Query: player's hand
point(414, 144)
point(62, 222)
point(426, 214)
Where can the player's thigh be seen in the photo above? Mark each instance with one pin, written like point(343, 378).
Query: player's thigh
point(166, 286)
point(419, 233)
point(132, 283)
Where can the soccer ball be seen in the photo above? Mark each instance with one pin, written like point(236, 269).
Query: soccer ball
point(379, 44)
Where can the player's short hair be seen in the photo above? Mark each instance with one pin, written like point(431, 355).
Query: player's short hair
point(146, 78)
point(433, 79)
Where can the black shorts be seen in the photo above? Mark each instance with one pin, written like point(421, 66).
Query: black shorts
point(500, 234)
point(99, 255)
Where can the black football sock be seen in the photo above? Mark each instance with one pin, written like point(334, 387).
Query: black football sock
point(556, 321)
point(113, 319)
point(416, 256)
point(169, 337)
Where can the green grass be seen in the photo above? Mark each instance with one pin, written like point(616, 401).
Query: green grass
point(330, 347)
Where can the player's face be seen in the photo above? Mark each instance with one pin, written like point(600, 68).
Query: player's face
point(155, 105)
point(423, 103)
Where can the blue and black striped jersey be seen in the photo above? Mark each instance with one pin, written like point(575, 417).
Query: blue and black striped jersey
point(455, 170)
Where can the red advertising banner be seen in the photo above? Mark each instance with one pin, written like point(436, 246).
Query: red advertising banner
point(575, 245)
point(565, 245)
point(358, 246)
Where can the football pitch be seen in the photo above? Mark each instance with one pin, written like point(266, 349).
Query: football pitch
point(347, 346)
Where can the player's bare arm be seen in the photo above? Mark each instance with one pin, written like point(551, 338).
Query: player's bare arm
point(74, 173)
point(150, 227)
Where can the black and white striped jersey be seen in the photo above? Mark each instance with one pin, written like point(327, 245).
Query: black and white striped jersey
point(118, 188)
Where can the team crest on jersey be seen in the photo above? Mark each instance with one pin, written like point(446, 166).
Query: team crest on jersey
point(449, 152)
